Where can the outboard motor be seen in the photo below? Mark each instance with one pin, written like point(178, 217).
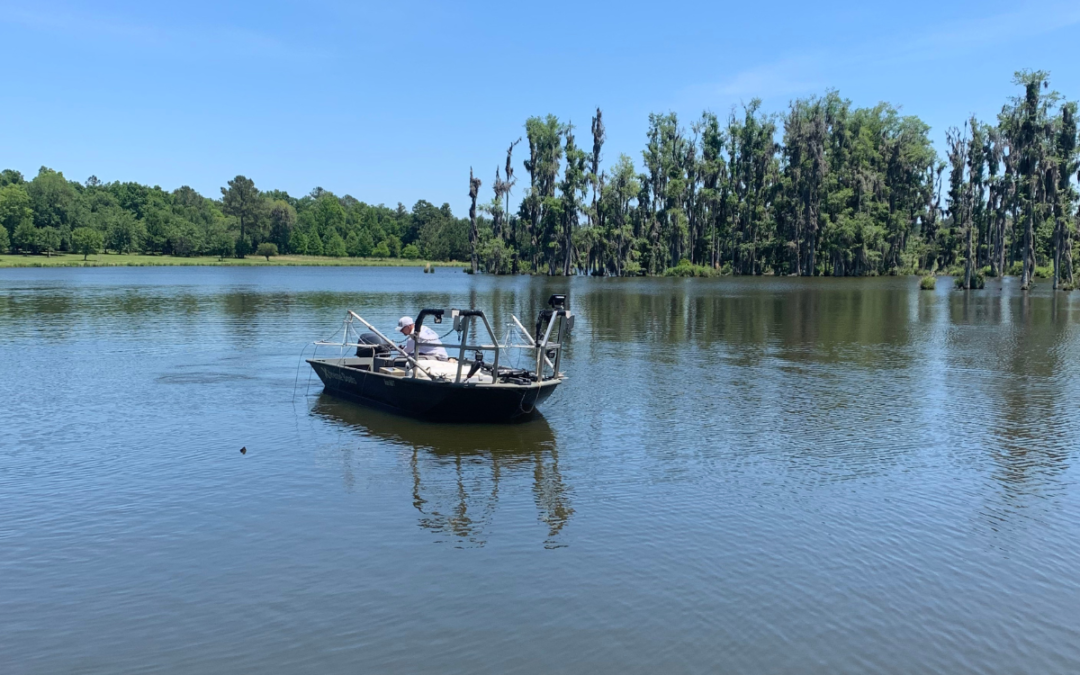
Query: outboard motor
point(371, 345)
point(557, 302)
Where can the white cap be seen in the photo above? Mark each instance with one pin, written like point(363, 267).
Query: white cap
point(404, 321)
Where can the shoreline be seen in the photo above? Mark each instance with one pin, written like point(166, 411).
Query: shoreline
point(19, 261)
point(8, 261)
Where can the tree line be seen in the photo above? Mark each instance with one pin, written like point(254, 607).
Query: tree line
point(824, 188)
point(50, 213)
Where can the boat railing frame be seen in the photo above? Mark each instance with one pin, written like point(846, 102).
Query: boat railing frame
point(464, 322)
point(464, 319)
point(414, 362)
point(564, 319)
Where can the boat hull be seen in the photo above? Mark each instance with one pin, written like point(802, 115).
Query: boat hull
point(439, 401)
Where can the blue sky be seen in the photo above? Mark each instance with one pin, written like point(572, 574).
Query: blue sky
point(395, 103)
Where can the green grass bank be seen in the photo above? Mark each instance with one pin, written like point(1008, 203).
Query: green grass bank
point(139, 260)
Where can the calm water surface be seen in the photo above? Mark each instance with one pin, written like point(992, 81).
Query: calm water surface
point(740, 476)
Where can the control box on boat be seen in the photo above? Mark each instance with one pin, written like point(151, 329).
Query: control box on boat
point(474, 385)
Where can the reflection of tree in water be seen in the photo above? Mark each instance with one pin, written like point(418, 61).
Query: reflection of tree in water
point(1009, 376)
point(458, 470)
point(1034, 426)
point(819, 320)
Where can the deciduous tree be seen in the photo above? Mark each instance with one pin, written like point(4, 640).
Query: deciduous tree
point(87, 241)
point(242, 201)
point(267, 249)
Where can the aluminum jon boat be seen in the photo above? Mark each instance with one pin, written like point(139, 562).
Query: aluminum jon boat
point(460, 389)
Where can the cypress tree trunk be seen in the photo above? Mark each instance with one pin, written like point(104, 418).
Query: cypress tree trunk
point(1067, 255)
point(1029, 239)
point(1057, 251)
point(970, 254)
point(474, 235)
point(993, 229)
point(1008, 240)
point(568, 245)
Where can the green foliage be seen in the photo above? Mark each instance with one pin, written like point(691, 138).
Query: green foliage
point(267, 249)
point(1044, 272)
point(242, 201)
point(157, 260)
point(298, 243)
point(10, 177)
point(222, 244)
point(440, 235)
point(125, 234)
point(977, 281)
point(393, 244)
point(48, 239)
point(55, 202)
point(1015, 269)
point(329, 215)
point(87, 241)
point(314, 243)
point(822, 188)
point(282, 218)
point(848, 191)
point(25, 237)
point(928, 283)
point(5, 240)
point(359, 244)
point(335, 246)
point(15, 207)
point(137, 218)
point(687, 269)
point(185, 239)
point(496, 257)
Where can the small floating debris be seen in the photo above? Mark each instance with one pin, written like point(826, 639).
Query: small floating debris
point(243, 450)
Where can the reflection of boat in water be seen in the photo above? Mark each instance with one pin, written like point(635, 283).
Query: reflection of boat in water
point(459, 472)
point(526, 436)
point(460, 389)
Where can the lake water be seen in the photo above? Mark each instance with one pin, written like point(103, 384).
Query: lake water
point(740, 476)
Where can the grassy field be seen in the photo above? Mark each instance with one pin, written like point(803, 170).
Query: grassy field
point(138, 260)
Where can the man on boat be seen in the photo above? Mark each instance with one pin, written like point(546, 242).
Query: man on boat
point(430, 344)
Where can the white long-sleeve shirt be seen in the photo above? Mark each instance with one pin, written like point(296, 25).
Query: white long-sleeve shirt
point(430, 345)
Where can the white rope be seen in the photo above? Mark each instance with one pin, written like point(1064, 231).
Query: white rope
point(530, 339)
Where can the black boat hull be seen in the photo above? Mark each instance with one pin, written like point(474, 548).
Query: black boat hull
point(438, 401)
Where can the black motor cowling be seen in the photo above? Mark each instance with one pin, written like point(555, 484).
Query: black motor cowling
point(371, 345)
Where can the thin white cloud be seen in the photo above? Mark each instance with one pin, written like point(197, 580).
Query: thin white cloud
point(801, 74)
point(784, 78)
point(788, 76)
point(214, 41)
point(958, 37)
point(1032, 21)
